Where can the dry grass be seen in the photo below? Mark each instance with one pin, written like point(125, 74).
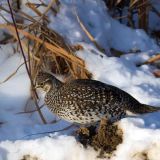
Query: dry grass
point(91, 38)
point(43, 48)
point(50, 46)
point(151, 60)
point(136, 8)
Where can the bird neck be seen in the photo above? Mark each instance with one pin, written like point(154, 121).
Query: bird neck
point(56, 84)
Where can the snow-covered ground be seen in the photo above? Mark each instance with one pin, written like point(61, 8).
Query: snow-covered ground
point(141, 135)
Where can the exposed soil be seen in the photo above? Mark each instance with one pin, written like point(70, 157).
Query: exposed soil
point(104, 139)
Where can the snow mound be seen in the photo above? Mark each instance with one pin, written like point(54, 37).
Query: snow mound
point(108, 32)
point(141, 135)
point(57, 148)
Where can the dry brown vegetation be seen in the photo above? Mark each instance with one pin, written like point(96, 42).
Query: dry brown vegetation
point(41, 47)
point(138, 8)
point(135, 14)
point(45, 49)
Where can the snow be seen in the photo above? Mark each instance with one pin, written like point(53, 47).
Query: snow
point(141, 134)
point(123, 73)
point(58, 148)
point(138, 140)
point(109, 33)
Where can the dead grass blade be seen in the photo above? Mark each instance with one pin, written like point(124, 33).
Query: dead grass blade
point(25, 112)
point(153, 59)
point(52, 2)
point(91, 38)
point(45, 47)
point(155, 10)
point(60, 130)
point(56, 49)
point(25, 62)
point(33, 7)
point(132, 3)
point(10, 76)
point(143, 12)
point(21, 14)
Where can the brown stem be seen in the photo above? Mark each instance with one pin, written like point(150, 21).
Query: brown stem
point(60, 130)
point(25, 112)
point(27, 69)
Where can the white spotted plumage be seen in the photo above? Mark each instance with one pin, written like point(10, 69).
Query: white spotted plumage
point(87, 101)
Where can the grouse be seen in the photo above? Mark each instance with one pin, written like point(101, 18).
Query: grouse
point(86, 101)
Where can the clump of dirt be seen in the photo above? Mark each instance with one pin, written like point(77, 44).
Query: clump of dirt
point(105, 138)
point(85, 135)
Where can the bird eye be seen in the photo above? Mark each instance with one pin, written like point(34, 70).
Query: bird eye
point(41, 83)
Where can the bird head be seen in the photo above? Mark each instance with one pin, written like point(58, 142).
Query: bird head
point(43, 81)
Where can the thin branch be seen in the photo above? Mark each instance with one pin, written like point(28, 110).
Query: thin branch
point(155, 10)
point(22, 15)
point(25, 61)
point(25, 112)
point(91, 38)
point(60, 130)
point(47, 10)
point(10, 76)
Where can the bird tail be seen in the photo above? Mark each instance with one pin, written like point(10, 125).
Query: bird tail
point(144, 108)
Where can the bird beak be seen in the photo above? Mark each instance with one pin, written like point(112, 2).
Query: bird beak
point(37, 86)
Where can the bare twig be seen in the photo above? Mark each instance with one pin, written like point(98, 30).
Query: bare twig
point(60, 130)
point(25, 61)
point(10, 76)
point(22, 15)
point(33, 7)
point(133, 2)
point(155, 10)
point(47, 9)
point(91, 38)
point(143, 12)
point(25, 112)
point(4, 18)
